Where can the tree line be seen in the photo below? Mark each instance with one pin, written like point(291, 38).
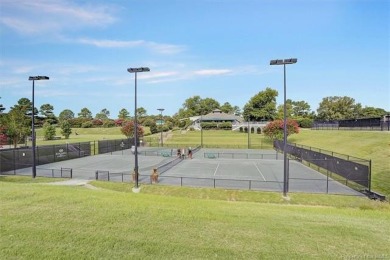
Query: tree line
point(16, 124)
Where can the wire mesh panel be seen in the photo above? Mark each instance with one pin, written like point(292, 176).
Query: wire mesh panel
point(353, 169)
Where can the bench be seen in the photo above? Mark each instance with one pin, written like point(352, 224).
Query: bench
point(56, 137)
point(165, 154)
point(210, 155)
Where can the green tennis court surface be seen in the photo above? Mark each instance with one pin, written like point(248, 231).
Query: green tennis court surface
point(219, 168)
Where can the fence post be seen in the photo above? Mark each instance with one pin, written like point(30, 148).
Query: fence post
point(327, 177)
point(71, 173)
point(96, 175)
point(369, 176)
point(15, 160)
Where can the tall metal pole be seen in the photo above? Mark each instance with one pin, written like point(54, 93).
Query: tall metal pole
point(161, 134)
point(135, 135)
point(34, 167)
point(248, 134)
point(285, 173)
point(285, 161)
point(161, 123)
point(201, 132)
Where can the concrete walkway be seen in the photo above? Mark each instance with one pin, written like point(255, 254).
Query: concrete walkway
point(74, 182)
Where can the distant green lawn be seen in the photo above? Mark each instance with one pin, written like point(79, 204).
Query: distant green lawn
point(41, 221)
point(220, 138)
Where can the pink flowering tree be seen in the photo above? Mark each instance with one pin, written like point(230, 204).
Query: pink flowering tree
point(274, 129)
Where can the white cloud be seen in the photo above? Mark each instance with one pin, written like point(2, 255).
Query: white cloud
point(153, 46)
point(111, 43)
point(213, 72)
point(52, 16)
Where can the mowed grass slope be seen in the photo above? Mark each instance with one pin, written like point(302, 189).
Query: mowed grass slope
point(41, 221)
point(369, 145)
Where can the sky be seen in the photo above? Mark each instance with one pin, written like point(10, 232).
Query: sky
point(217, 49)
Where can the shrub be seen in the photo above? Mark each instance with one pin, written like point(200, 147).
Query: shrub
point(87, 124)
point(108, 123)
point(66, 130)
point(274, 129)
point(128, 129)
point(241, 129)
point(49, 131)
point(258, 130)
point(97, 122)
point(305, 122)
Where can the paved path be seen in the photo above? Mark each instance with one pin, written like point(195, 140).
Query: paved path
point(74, 182)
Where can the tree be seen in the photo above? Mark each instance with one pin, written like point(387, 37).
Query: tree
point(195, 106)
point(66, 129)
point(295, 109)
point(338, 108)
point(123, 114)
point(128, 129)
point(65, 115)
point(368, 112)
point(227, 108)
point(275, 129)
point(207, 105)
point(46, 110)
point(103, 115)
point(141, 112)
point(1, 108)
point(17, 126)
point(25, 106)
point(262, 106)
point(85, 113)
point(237, 111)
point(49, 131)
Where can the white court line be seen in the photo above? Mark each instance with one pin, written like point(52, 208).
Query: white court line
point(215, 172)
point(259, 171)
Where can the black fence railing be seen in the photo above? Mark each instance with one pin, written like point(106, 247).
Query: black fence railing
point(45, 172)
point(14, 159)
point(374, 124)
point(324, 185)
point(350, 169)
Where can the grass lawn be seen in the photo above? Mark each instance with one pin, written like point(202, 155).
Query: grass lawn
point(84, 135)
point(41, 221)
point(369, 145)
point(221, 138)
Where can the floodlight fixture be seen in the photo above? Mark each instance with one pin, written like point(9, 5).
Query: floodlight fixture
point(140, 69)
point(38, 78)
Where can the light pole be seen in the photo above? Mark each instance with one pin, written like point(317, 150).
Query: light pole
point(135, 70)
point(285, 168)
point(34, 78)
point(161, 122)
point(201, 131)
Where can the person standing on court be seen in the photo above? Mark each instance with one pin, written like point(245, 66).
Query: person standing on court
point(189, 152)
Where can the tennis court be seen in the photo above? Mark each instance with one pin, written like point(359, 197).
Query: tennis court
point(219, 168)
